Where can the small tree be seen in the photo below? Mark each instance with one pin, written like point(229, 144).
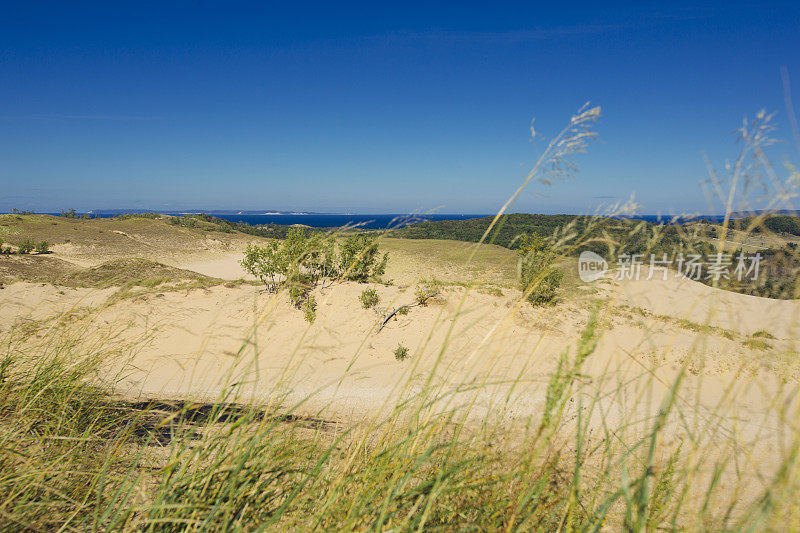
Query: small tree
point(43, 247)
point(539, 278)
point(26, 246)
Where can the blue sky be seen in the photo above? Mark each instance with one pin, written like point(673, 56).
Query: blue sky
point(377, 107)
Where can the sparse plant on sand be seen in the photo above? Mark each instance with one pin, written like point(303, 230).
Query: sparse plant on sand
point(401, 352)
point(369, 298)
point(43, 247)
point(426, 291)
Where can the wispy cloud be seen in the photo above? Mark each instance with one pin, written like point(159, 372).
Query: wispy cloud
point(641, 20)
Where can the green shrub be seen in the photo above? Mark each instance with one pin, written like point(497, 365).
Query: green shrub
point(401, 352)
point(298, 293)
point(369, 298)
point(426, 291)
point(302, 259)
point(26, 246)
point(264, 263)
point(539, 278)
point(358, 258)
point(43, 247)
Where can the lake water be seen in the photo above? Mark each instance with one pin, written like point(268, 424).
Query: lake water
point(336, 221)
point(381, 221)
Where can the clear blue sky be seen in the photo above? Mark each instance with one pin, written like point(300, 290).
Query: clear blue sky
point(376, 107)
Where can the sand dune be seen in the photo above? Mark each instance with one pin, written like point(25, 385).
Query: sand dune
point(481, 348)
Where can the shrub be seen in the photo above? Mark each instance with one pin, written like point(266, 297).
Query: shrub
point(26, 246)
point(264, 263)
point(401, 352)
point(301, 260)
point(426, 291)
point(369, 298)
point(538, 276)
point(310, 309)
point(43, 247)
point(298, 293)
point(358, 258)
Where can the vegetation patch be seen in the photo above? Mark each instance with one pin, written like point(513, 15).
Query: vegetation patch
point(762, 334)
point(302, 260)
point(34, 268)
point(427, 291)
point(401, 352)
point(757, 344)
point(369, 298)
point(133, 272)
point(538, 276)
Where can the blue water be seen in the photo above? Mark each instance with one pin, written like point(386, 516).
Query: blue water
point(330, 221)
point(336, 221)
point(381, 221)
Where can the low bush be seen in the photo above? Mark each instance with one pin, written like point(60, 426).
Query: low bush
point(369, 298)
point(26, 247)
point(302, 260)
point(43, 247)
